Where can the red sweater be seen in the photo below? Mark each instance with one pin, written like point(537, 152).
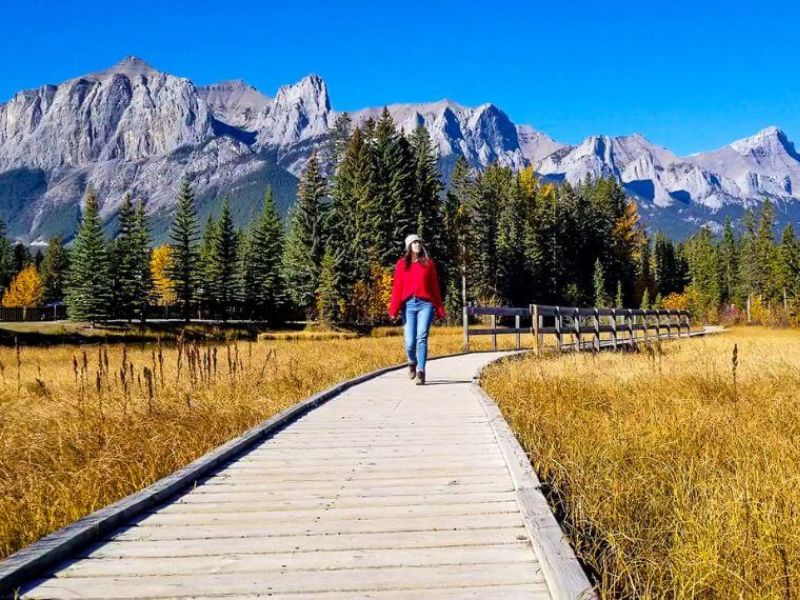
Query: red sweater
point(417, 280)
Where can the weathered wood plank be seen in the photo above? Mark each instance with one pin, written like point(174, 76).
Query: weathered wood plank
point(393, 489)
point(289, 581)
point(442, 538)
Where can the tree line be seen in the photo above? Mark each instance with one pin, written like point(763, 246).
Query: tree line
point(498, 236)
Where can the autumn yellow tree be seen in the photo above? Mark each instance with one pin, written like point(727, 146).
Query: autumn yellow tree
point(25, 289)
point(163, 285)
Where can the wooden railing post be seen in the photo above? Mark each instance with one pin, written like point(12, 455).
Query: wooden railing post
point(631, 330)
point(577, 330)
point(516, 325)
point(493, 322)
point(535, 325)
point(466, 328)
point(614, 328)
point(596, 330)
point(558, 329)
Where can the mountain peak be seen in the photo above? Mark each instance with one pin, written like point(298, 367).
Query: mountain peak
point(310, 90)
point(769, 136)
point(130, 66)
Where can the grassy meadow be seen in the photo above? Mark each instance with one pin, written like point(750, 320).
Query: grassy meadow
point(677, 469)
point(83, 426)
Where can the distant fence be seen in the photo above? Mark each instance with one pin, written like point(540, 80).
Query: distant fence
point(34, 313)
point(622, 324)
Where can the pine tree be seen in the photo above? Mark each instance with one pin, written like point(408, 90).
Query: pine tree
point(453, 263)
point(126, 289)
point(337, 143)
point(183, 236)
point(88, 285)
point(645, 304)
point(54, 270)
point(748, 276)
point(263, 281)
point(729, 262)
point(204, 292)
point(786, 271)
point(305, 241)
point(644, 270)
point(618, 303)
point(22, 257)
point(223, 263)
point(765, 251)
point(143, 281)
point(327, 296)
point(601, 298)
point(6, 258)
point(427, 187)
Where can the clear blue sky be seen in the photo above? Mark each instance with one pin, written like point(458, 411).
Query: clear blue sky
point(691, 76)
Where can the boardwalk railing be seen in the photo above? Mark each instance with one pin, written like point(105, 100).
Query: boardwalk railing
point(585, 325)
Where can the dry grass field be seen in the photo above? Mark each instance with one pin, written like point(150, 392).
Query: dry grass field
point(83, 426)
point(677, 469)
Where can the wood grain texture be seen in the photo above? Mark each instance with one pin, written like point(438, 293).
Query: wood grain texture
point(390, 491)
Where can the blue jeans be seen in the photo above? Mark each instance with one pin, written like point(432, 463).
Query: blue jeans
point(417, 315)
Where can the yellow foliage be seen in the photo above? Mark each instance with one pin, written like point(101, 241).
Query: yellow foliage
point(675, 301)
point(528, 182)
point(25, 289)
point(626, 229)
point(371, 298)
point(163, 285)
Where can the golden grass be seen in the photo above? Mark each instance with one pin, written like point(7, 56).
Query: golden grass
point(677, 473)
point(76, 435)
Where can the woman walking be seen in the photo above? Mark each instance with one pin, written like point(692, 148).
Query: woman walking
point(415, 296)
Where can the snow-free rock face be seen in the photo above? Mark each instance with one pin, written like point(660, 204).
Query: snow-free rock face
point(235, 103)
point(129, 112)
point(764, 164)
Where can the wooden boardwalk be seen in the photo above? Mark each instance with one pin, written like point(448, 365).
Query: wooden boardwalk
point(388, 491)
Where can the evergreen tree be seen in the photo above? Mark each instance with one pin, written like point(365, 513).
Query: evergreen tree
point(143, 279)
point(6, 258)
point(88, 284)
point(453, 263)
point(704, 270)
point(126, 288)
point(748, 276)
point(22, 257)
point(263, 281)
point(483, 276)
point(618, 303)
point(644, 270)
point(183, 237)
point(327, 296)
point(425, 204)
point(305, 241)
point(764, 257)
point(222, 267)
point(729, 262)
point(601, 298)
point(204, 292)
point(54, 271)
point(786, 271)
point(337, 142)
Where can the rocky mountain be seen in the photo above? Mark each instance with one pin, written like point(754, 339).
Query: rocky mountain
point(132, 128)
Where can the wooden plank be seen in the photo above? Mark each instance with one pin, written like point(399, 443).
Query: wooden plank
point(479, 554)
point(524, 591)
point(282, 582)
point(440, 538)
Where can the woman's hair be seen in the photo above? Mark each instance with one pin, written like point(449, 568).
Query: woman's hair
point(423, 256)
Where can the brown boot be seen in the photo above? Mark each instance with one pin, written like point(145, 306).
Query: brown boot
point(420, 377)
point(412, 370)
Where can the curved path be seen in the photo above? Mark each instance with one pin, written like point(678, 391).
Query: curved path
point(388, 491)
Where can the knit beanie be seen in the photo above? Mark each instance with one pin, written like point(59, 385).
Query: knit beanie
point(412, 238)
